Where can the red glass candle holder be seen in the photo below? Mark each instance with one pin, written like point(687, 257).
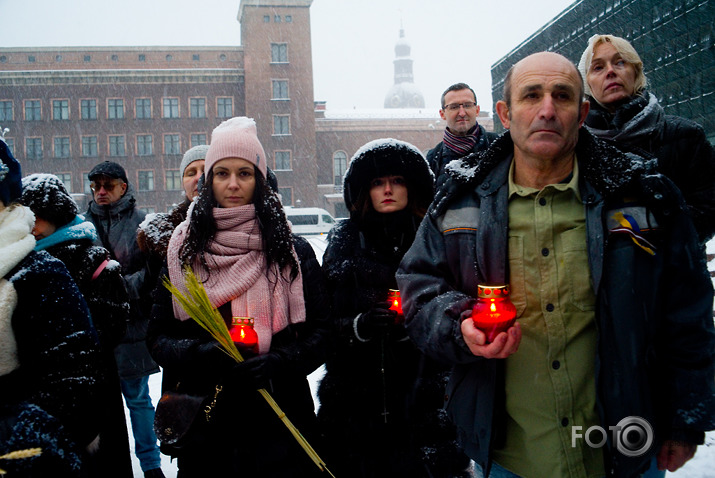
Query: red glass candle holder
point(494, 312)
point(393, 295)
point(243, 333)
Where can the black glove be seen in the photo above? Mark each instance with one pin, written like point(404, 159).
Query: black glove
point(376, 321)
point(210, 354)
point(256, 372)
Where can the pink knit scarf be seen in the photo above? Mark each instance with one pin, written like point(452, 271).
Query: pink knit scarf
point(238, 274)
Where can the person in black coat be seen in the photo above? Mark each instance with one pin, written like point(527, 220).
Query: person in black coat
point(626, 113)
point(49, 352)
point(68, 237)
point(237, 240)
point(381, 399)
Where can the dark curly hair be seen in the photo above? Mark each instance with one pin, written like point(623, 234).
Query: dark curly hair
point(275, 231)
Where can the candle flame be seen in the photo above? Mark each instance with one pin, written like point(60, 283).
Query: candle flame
point(493, 307)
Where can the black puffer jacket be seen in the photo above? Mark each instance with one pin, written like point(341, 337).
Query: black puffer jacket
point(117, 225)
point(108, 303)
point(683, 151)
point(380, 400)
point(240, 411)
point(50, 400)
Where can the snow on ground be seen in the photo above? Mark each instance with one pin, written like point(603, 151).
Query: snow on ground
point(701, 466)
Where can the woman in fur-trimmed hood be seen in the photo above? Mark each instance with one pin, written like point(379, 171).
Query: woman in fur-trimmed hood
point(381, 399)
point(68, 237)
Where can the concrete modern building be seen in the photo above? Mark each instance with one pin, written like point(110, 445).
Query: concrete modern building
point(675, 39)
point(67, 109)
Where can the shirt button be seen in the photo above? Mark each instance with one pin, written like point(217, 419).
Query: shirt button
point(545, 251)
point(564, 422)
point(556, 364)
point(542, 201)
point(549, 307)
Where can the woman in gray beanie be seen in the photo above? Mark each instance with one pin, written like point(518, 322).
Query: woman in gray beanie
point(154, 233)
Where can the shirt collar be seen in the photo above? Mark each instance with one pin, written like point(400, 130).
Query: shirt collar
point(570, 182)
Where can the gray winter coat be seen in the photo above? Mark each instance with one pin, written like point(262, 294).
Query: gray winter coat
point(117, 225)
point(655, 356)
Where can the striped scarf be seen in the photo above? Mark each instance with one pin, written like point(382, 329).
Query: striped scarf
point(239, 276)
point(461, 144)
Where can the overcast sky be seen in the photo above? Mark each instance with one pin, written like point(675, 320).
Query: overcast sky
point(353, 40)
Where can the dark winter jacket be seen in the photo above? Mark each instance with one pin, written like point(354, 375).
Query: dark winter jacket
point(155, 232)
point(381, 399)
point(117, 225)
point(100, 282)
point(655, 356)
point(178, 346)
point(439, 156)
point(684, 153)
point(50, 399)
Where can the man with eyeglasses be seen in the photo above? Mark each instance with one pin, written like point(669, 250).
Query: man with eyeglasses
point(462, 135)
point(113, 212)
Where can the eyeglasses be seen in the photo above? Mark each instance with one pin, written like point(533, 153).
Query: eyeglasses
point(108, 186)
point(455, 106)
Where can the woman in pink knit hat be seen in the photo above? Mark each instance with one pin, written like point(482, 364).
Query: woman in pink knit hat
point(238, 242)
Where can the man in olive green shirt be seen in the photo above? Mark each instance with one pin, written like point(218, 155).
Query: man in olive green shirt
point(598, 254)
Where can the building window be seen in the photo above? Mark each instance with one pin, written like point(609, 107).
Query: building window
point(340, 164)
point(60, 109)
point(169, 57)
point(281, 124)
point(266, 19)
point(276, 18)
point(87, 58)
point(289, 18)
point(280, 89)
point(85, 184)
point(142, 57)
point(10, 145)
point(198, 139)
point(286, 196)
point(88, 109)
point(6, 110)
point(172, 144)
point(282, 159)
point(115, 108)
point(196, 57)
point(33, 148)
point(115, 57)
point(117, 146)
point(224, 107)
point(279, 53)
point(33, 110)
point(66, 179)
point(197, 107)
point(171, 107)
point(145, 145)
point(89, 146)
point(147, 209)
point(145, 180)
point(62, 147)
point(31, 59)
point(142, 108)
point(173, 180)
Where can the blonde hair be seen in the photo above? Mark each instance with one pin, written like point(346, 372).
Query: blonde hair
point(624, 48)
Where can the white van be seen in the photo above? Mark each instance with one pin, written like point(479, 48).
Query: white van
point(309, 220)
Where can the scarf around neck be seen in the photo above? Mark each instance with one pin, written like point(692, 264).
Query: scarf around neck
point(461, 144)
point(633, 123)
point(238, 274)
point(76, 229)
point(16, 239)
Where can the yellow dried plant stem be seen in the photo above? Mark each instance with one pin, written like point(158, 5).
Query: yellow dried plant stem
point(19, 454)
point(197, 305)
